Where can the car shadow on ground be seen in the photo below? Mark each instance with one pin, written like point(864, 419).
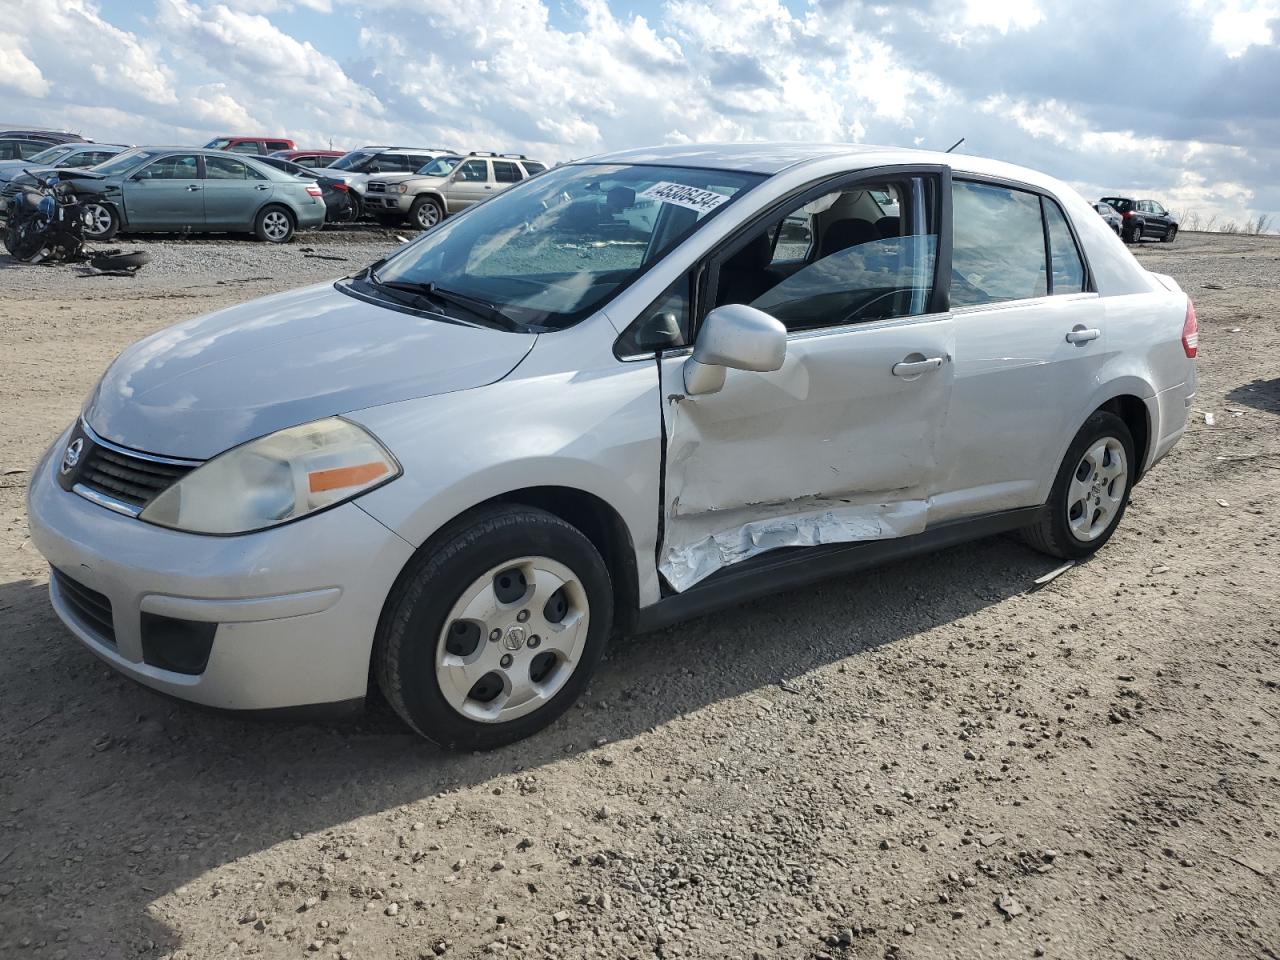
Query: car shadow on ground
point(1260, 394)
point(147, 794)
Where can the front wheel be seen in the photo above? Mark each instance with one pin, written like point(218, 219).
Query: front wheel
point(1090, 492)
point(494, 628)
point(274, 225)
point(101, 222)
point(426, 213)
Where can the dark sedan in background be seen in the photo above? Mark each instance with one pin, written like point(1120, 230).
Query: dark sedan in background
point(186, 190)
point(338, 203)
point(1143, 219)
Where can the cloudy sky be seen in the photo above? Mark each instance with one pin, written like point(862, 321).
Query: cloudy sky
point(1178, 99)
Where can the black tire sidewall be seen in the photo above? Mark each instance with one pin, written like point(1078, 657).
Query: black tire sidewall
point(1098, 426)
point(261, 233)
point(421, 602)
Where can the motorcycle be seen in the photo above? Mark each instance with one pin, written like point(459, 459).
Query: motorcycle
point(46, 224)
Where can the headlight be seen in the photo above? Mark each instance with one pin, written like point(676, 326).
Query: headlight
point(403, 188)
point(275, 479)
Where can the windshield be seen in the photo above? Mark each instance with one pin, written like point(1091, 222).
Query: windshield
point(353, 160)
point(122, 162)
point(552, 250)
point(50, 155)
point(439, 167)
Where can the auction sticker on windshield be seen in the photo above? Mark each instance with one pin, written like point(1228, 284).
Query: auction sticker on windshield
point(682, 196)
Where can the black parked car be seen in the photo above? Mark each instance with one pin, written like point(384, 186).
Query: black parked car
point(339, 206)
point(1143, 219)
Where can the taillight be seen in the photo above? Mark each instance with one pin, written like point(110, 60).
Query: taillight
point(339, 185)
point(1127, 214)
point(314, 191)
point(1190, 331)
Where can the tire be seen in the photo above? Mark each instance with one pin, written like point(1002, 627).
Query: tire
point(452, 678)
point(102, 222)
point(274, 224)
point(1170, 235)
point(1064, 530)
point(23, 240)
point(426, 213)
point(114, 261)
point(1135, 235)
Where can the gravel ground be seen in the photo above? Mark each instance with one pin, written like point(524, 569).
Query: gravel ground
point(928, 760)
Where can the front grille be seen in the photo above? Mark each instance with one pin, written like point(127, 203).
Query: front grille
point(377, 188)
point(120, 479)
point(91, 608)
point(128, 477)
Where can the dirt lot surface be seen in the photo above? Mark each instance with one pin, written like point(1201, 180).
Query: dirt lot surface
point(929, 760)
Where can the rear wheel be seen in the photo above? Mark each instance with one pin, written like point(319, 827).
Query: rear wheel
point(1171, 235)
point(1135, 235)
point(1090, 492)
point(274, 225)
point(494, 629)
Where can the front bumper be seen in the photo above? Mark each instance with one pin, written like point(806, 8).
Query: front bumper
point(394, 201)
point(295, 608)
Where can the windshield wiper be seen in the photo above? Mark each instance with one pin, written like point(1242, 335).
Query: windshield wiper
point(481, 308)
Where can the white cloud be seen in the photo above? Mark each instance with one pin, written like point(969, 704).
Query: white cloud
point(17, 71)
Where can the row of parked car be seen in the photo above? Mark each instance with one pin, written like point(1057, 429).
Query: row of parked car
point(270, 187)
point(263, 185)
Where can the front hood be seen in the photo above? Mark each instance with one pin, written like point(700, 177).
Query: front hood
point(203, 386)
point(390, 178)
point(421, 183)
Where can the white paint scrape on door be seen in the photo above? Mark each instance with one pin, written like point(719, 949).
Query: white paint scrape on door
point(689, 556)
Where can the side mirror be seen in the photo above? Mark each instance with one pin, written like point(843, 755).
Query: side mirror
point(734, 336)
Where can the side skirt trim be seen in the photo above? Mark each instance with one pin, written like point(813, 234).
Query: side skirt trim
point(790, 568)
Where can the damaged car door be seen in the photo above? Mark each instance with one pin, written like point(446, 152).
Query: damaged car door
point(837, 441)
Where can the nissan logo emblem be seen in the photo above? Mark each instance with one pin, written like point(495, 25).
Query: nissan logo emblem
point(72, 455)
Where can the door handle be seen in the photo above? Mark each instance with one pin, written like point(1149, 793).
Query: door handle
point(261, 187)
point(913, 368)
point(1080, 334)
point(193, 188)
point(487, 187)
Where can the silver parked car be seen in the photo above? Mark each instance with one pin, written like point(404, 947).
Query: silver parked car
point(445, 186)
point(633, 389)
point(189, 190)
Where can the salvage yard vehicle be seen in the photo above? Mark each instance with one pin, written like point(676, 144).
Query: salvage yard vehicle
point(315, 159)
point(1143, 219)
point(357, 166)
point(250, 145)
point(631, 390)
point(444, 186)
point(185, 190)
point(339, 207)
point(1111, 216)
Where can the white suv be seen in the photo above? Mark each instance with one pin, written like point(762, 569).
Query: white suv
point(445, 186)
point(633, 389)
point(358, 166)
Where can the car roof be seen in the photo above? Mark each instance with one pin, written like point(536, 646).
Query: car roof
point(772, 157)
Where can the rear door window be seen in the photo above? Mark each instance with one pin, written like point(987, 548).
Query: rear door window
point(998, 245)
point(532, 166)
point(277, 145)
point(505, 172)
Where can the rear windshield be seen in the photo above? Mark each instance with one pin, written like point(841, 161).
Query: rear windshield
point(1119, 203)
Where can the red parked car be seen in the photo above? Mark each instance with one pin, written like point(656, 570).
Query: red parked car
point(313, 159)
point(260, 145)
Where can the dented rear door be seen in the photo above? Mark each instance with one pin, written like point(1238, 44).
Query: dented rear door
point(833, 447)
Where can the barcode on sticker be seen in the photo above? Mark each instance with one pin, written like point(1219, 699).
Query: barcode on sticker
point(682, 196)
